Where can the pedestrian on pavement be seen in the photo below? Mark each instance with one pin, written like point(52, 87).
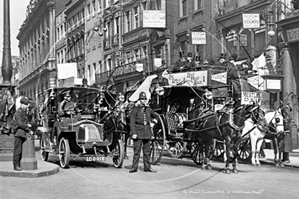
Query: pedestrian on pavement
point(21, 130)
point(142, 119)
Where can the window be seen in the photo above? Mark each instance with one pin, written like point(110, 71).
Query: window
point(88, 11)
point(136, 17)
point(144, 5)
point(94, 7)
point(127, 15)
point(198, 4)
point(117, 25)
point(99, 6)
point(183, 8)
point(136, 55)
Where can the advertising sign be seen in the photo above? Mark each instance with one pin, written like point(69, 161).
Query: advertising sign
point(250, 97)
point(198, 38)
point(154, 19)
point(157, 62)
point(194, 78)
point(273, 84)
point(251, 20)
point(220, 77)
point(139, 67)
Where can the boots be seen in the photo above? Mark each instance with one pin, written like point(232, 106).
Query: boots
point(17, 167)
point(286, 157)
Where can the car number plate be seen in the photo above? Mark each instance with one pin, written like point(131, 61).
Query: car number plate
point(95, 158)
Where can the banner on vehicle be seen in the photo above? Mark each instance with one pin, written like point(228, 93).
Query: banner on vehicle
point(250, 97)
point(193, 78)
point(220, 77)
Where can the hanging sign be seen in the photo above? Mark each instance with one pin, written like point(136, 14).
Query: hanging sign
point(220, 77)
point(157, 62)
point(139, 67)
point(198, 38)
point(195, 78)
point(251, 20)
point(250, 97)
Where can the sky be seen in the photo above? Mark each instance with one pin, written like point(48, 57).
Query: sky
point(17, 17)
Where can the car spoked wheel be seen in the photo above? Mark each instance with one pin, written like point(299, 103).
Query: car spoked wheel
point(118, 154)
point(44, 154)
point(64, 153)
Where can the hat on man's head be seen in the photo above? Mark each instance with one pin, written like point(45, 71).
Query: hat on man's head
point(181, 54)
point(142, 96)
point(222, 56)
point(24, 100)
point(190, 54)
point(67, 94)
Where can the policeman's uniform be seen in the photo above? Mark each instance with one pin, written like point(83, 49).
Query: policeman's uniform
point(140, 118)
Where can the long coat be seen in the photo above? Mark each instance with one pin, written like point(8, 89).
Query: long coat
point(137, 126)
point(22, 121)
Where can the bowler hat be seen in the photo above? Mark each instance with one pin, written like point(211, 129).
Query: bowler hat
point(189, 54)
point(24, 100)
point(181, 54)
point(222, 56)
point(142, 96)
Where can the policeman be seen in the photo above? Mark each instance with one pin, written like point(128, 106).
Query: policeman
point(142, 119)
point(21, 130)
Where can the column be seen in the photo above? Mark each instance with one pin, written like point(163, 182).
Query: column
point(289, 83)
point(50, 5)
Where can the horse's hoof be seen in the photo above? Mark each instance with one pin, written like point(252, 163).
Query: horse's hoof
point(253, 164)
point(281, 165)
point(234, 171)
point(202, 167)
point(258, 164)
point(227, 171)
point(276, 165)
point(209, 167)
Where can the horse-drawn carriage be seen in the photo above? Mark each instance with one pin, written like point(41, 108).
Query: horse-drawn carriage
point(88, 131)
point(189, 95)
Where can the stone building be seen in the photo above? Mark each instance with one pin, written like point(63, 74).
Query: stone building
point(75, 34)
point(37, 66)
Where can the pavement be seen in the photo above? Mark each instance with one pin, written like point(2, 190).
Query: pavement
point(294, 158)
point(43, 168)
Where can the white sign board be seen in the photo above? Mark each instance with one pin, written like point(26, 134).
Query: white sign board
point(154, 19)
point(273, 84)
point(220, 77)
point(139, 67)
point(66, 70)
point(257, 82)
point(194, 78)
point(198, 38)
point(157, 62)
point(251, 20)
point(250, 97)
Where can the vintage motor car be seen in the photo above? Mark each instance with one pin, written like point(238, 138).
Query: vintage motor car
point(88, 131)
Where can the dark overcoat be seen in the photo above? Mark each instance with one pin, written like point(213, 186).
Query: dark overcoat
point(22, 121)
point(137, 126)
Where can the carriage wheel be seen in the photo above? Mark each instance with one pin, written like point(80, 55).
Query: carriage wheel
point(118, 154)
point(244, 152)
point(176, 148)
point(195, 153)
point(158, 143)
point(64, 153)
point(44, 154)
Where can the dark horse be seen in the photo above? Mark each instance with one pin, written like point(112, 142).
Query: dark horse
point(225, 125)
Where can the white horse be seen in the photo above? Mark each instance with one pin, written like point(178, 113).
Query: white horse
point(271, 127)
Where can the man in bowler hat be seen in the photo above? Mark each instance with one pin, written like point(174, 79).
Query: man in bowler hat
point(180, 64)
point(142, 119)
point(21, 129)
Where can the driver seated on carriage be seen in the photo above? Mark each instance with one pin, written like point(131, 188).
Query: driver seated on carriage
point(67, 109)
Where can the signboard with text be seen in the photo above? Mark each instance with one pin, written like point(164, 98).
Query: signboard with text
point(220, 77)
point(194, 78)
point(198, 38)
point(154, 19)
point(250, 97)
point(251, 20)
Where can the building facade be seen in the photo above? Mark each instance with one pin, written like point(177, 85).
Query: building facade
point(37, 65)
point(75, 34)
point(94, 39)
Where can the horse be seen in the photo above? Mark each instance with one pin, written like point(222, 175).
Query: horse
point(272, 127)
point(224, 125)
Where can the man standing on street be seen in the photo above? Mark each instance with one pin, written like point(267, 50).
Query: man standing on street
point(142, 119)
point(22, 129)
